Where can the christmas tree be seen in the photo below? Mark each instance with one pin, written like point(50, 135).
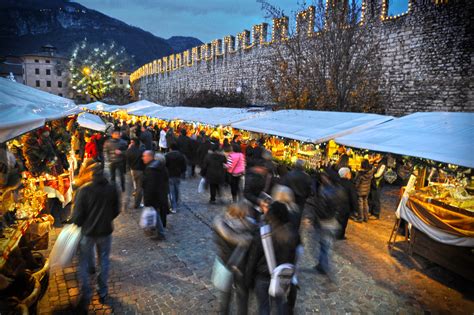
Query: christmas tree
point(93, 68)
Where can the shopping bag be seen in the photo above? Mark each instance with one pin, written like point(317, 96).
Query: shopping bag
point(221, 276)
point(65, 247)
point(148, 218)
point(202, 185)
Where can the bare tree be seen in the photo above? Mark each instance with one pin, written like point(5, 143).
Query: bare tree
point(329, 61)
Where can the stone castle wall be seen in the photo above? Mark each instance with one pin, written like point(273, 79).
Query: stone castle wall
point(426, 57)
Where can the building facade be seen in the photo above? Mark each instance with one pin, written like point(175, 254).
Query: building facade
point(47, 71)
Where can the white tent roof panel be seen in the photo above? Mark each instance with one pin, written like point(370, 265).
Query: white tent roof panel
point(23, 108)
point(311, 126)
point(91, 121)
point(439, 136)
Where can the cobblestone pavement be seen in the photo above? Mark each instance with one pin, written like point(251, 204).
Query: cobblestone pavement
point(173, 277)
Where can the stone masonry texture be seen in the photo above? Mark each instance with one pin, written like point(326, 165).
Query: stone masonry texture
point(426, 58)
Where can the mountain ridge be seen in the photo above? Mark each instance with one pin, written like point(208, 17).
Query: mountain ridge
point(27, 25)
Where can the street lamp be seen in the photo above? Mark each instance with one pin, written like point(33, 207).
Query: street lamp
point(86, 70)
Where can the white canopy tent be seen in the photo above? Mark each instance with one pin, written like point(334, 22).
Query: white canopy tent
point(91, 121)
point(311, 126)
point(439, 136)
point(210, 116)
point(95, 106)
point(139, 105)
point(23, 108)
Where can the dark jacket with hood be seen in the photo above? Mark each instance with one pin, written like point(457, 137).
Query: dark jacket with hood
point(203, 150)
point(155, 184)
point(176, 163)
point(134, 158)
point(213, 168)
point(96, 205)
point(147, 139)
point(300, 183)
point(363, 181)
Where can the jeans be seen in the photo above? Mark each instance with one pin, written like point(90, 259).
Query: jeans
point(86, 257)
point(266, 302)
point(174, 191)
point(137, 177)
point(363, 207)
point(326, 240)
point(120, 167)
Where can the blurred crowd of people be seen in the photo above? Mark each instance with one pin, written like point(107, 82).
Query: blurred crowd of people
point(264, 194)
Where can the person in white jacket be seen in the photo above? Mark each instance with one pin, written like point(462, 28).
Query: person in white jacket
point(163, 143)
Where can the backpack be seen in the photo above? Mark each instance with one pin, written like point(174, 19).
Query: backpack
point(281, 275)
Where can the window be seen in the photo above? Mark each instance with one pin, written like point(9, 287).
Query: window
point(36, 60)
point(37, 83)
point(60, 94)
point(48, 83)
point(47, 61)
point(37, 71)
point(121, 81)
point(60, 84)
point(59, 73)
point(48, 71)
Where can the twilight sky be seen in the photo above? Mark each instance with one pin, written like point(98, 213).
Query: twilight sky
point(204, 19)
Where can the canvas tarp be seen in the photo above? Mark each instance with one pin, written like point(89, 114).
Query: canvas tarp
point(311, 126)
point(91, 121)
point(139, 105)
point(23, 108)
point(439, 136)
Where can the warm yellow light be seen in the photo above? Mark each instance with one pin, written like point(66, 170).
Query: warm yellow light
point(86, 70)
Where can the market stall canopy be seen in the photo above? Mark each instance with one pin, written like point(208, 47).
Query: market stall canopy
point(91, 121)
point(23, 108)
point(439, 136)
point(225, 116)
point(210, 116)
point(311, 126)
point(139, 105)
point(100, 106)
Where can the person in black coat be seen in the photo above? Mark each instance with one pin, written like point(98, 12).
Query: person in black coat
point(285, 241)
point(146, 138)
point(203, 148)
point(156, 189)
point(193, 154)
point(350, 208)
point(214, 171)
point(300, 182)
point(256, 179)
point(134, 161)
point(176, 164)
point(96, 205)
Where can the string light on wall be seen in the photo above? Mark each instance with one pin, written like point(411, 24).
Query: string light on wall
point(243, 40)
point(229, 44)
point(386, 17)
point(305, 19)
point(280, 29)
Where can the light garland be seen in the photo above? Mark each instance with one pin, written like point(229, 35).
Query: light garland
point(385, 17)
